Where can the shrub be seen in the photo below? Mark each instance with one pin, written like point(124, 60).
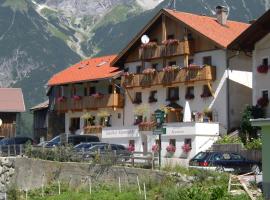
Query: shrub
point(254, 144)
point(229, 140)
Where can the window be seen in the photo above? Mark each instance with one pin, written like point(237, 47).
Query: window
point(170, 37)
point(85, 91)
point(73, 91)
point(119, 115)
point(131, 142)
point(206, 92)
point(139, 69)
point(152, 97)
point(90, 121)
point(110, 89)
point(173, 94)
point(188, 141)
point(265, 94)
point(190, 92)
point(92, 90)
point(74, 124)
point(207, 60)
point(126, 69)
point(172, 142)
point(155, 66)
point(190, 36)
point(190, 61)
point(172, 63)
point(138, 119)
point(138, 98)
point(265, 61)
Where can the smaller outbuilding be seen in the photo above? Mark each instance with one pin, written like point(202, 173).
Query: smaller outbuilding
point(40, 120)
point(11, 107)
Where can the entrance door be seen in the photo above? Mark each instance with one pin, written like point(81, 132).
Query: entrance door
point(144, 143)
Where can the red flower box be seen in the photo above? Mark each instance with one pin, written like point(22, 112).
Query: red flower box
point(131, 148)
point(97, 95)
point(61, 99)
point(186, 148)
point(263, 69)
point(149, 45)
point(170, 42)
point(171, 149)
point(76, 97)
point(263, 102)
point(206, 95)
point(155, 148)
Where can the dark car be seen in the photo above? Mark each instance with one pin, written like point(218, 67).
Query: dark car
point(72, 139)
point(86, 146)
point(14, 145)
point(223, 161)
point(114, 149)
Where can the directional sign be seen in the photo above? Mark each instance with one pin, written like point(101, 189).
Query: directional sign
point(161, 131)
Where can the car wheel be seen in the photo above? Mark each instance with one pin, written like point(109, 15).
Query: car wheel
point(220, 169)
point(255, 169)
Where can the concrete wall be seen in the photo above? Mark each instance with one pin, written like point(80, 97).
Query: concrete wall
point(261, 81)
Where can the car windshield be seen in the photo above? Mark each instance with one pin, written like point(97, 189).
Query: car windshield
point(200, 156)
point(97, 147)
point(55, 139)
point(236, 157)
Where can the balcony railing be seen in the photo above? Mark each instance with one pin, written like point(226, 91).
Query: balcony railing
point(182, 75)
point(91, 103)
point(158, 51)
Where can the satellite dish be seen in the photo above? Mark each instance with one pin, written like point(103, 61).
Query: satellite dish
point(145, 39)
point(1, 122)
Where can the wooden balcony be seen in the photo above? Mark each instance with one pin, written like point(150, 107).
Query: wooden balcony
point(183, 75)
point(176, 49)
point(90, 103)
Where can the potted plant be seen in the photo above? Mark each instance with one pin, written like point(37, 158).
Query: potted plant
point(76, 97)
point(131, 148)
point(189, 96)
point(152, 99)
point(155, 148)
point(170, 150)
point(149, 71)
point(61, 99)
point(170, 42)
point(263, 102)
point(149, 45)
point(263, 69)
point(186, 148)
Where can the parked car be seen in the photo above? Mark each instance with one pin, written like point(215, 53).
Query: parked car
point(223, 161)
point(121, 151)
point(12, 146)
point(85, 146)
point(72, 139)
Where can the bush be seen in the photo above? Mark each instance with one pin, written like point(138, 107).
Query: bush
point(229, 140)
point(254, 144)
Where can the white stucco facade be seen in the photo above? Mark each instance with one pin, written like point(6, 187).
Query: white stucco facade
point(261, 80)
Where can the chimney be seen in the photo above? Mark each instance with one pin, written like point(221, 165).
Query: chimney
point(222, 13)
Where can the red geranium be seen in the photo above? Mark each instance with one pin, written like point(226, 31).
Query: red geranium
point(131, 148)
point(186, 148)
point(97, 95)
point(263, 69)
point(171, 149)
point(76, 97)
point(263, 102)
point(61, 99)
point(155, 148)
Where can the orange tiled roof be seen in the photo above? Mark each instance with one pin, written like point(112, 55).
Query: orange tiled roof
point(209, 27)
point(87, 70)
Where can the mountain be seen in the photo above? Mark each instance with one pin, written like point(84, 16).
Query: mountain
point(41, 37)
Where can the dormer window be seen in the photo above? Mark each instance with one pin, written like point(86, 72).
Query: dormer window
point(139, 69)
point(207, 60)
point(265, 61)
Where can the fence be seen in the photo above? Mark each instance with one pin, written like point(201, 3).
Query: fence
point(66, 154)
point(239, 148)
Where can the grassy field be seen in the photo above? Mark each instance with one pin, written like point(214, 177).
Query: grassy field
point(204, 186)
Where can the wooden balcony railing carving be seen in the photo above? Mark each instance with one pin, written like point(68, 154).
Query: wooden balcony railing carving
point(182, 75)
point(91, 102)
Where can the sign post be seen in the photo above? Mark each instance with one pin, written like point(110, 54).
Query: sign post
point(159, 116)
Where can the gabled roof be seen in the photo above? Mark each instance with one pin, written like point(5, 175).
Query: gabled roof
point(41, 106)
point(87, 70)
point(206, 26)
point(247, 40)
point(11, 100)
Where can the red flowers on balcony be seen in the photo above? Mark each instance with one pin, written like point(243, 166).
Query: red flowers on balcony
point(170, 42)
point(149, 71)
point(61, 99)
point(149, 45)
point(263, 69)
point(263, 102)
point(76, 98)
point(186, 148)
point(171, 149)
point(189, 96)
point(97, 95)
point(170, 68)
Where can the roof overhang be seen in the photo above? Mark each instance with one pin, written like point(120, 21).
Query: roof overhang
point(247, 40)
